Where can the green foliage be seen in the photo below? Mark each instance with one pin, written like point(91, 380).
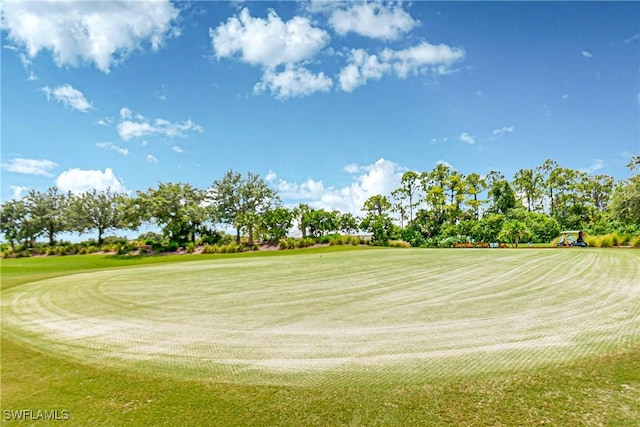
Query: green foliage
point(514, 231)
point(625, 206)
point(177, 208)
point(97, 210)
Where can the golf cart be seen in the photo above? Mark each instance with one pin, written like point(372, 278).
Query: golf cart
point(572, 238)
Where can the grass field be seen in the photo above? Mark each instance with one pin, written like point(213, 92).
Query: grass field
point(336, 336)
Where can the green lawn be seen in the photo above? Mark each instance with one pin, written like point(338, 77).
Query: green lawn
point(332, 336)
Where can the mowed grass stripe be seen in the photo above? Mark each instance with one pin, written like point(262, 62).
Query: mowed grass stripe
point(401, 314)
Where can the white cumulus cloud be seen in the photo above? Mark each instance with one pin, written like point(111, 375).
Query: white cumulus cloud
point(30, 166)
point(586, 54)
point(382, 177)
point(152, 159)
point(267, 42)
point(465, 137)
point(137, 126)
point(419, 59)
point(293, 81)
point(17, 191)
point(374, 20)
point(68, 96)
point(101, 33)
point(593, 167)
point(82, 180)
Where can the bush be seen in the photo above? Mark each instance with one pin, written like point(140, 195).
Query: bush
point(169, 247)
point(399, 244)
point(191, 247)
point(209, 249)
point(594, 241)
point(635, 242)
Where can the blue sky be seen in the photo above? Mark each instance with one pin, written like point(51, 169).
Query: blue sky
point(330, 102)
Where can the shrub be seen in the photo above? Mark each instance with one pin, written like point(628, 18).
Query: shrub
point(607, 241)
point(594, 241)
point(191, 247)
point(209, 249)
point(169, 247)
point(399, 244)
point(635, 242)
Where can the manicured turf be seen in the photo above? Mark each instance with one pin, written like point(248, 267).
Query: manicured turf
point(380, 323)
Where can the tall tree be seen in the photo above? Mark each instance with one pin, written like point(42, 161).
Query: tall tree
point(240, 202)
point(408, 190)
point(528, 183)
point(97, 210)
point(48, 211)
point(176, 207)
point(475, 185)
point(224, 196)
point(276, 223)
point(16, 223)
point(548, 182)
point(434, 187)
point(625, 204)
point(301, 214)
point(377, 219)
point(348, 223)
point(456, 188)
point(504, 198)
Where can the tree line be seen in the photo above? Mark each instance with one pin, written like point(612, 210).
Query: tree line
point(427, 208)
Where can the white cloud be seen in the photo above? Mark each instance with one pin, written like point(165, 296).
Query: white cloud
point(361, 67)
point(382, 177)
point(586, 54)
point(415, 60)
point(113, 147)
point(593, 167)
point(88, 32)
point(271, 176)
point(503, 130)
point(465, 137)
point(32, 77)
point(177, 149)
point(30, 166)
point(125, 113)
point(17, 191)
point(68, 96)
point(351, 168)
point(80, 181)
point(565, 96)
point(293, 81)
point(136, 126)
point(633, 38)
point(267, 42)
point(152, 159)
point(373, 20)
point(420, 58)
